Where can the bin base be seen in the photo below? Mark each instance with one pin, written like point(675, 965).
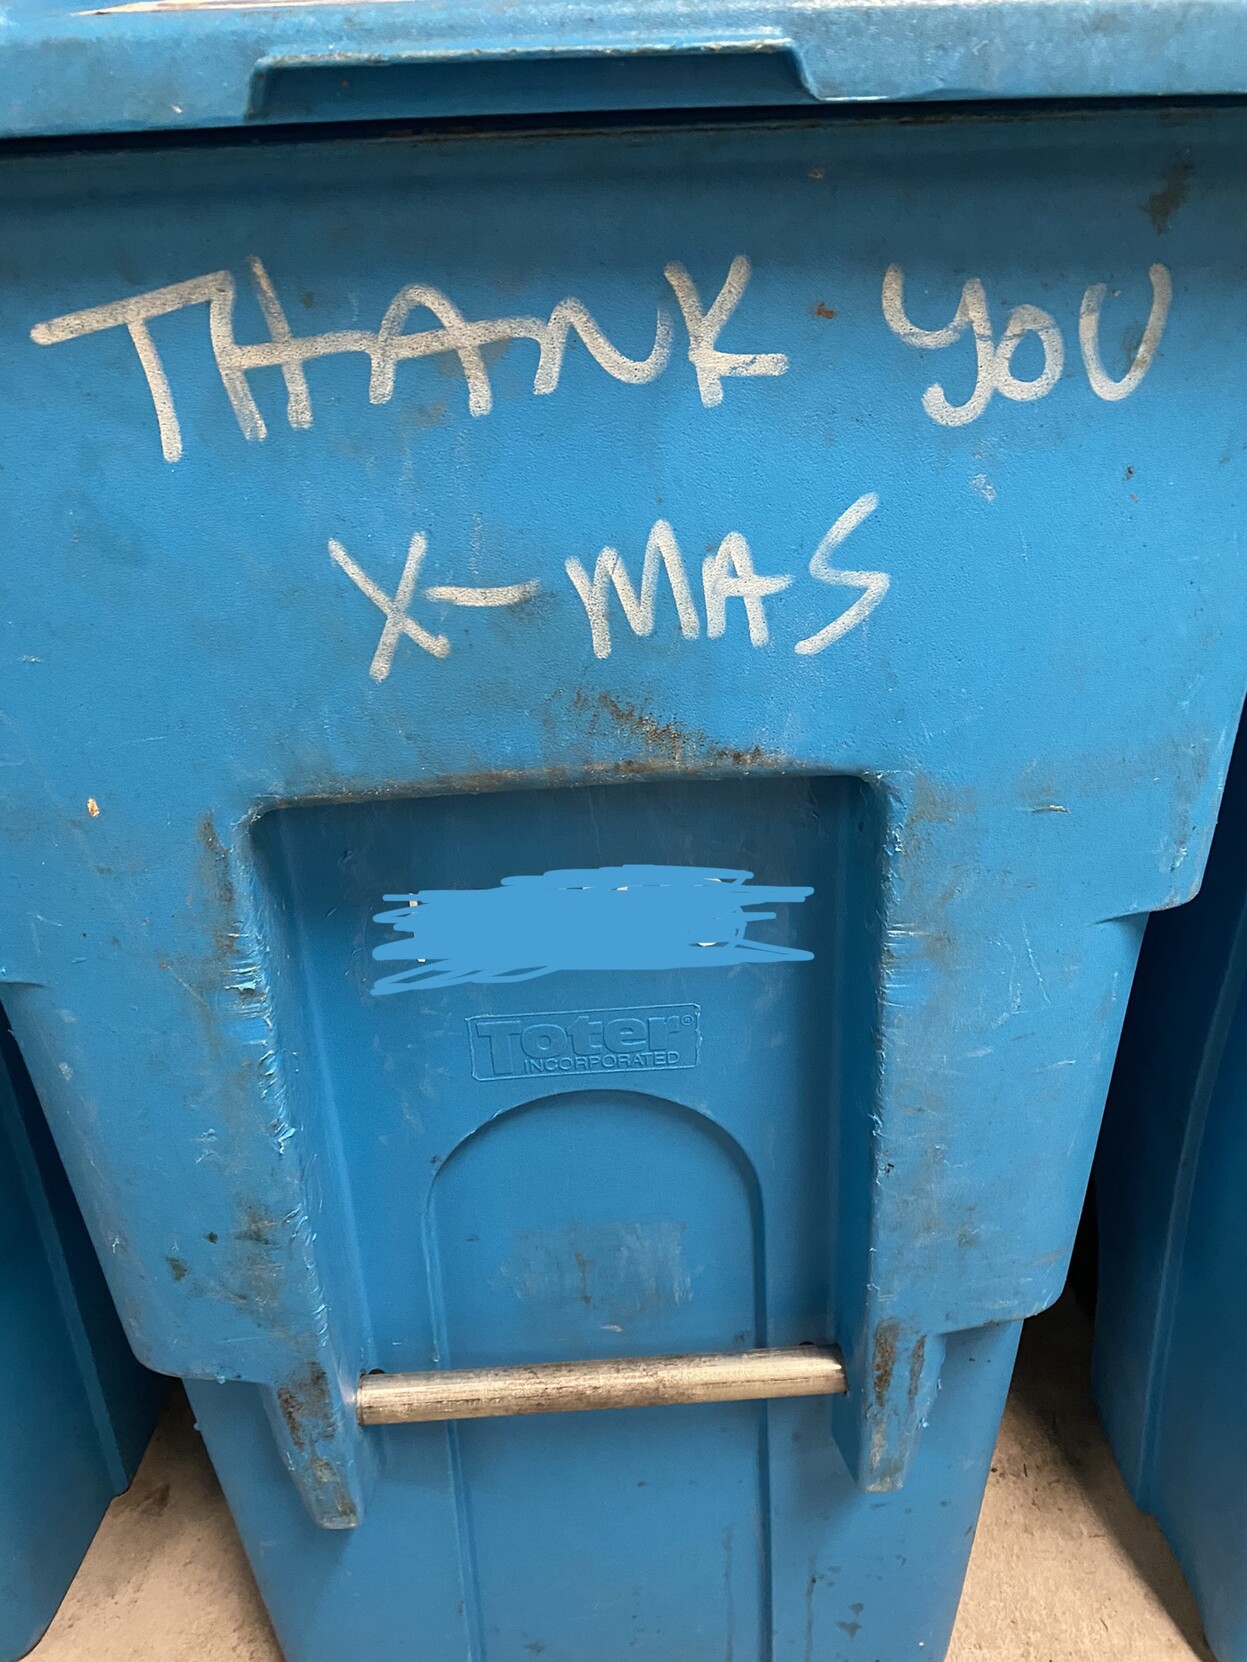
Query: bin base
point(881, 1576)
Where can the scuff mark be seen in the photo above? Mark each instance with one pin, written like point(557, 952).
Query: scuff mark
point(1164, 203)
point(1030, 953)
point(915, 1371)
point(622, 1271)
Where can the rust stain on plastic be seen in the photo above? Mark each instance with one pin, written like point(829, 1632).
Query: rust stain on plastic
point(665, 738)
point(218, 885)
point(670, 741)
point(306, 1408)
point(304, 1405)
point(886, 1337)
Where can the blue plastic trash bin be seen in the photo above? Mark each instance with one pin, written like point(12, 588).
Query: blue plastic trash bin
point(77, 1408)
point(614, 619)
point(1171, 1329)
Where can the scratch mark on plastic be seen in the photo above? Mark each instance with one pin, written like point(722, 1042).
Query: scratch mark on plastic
point(606, 918)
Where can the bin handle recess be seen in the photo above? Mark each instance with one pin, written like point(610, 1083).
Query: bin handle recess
point(618, 1382)
point(293, 85)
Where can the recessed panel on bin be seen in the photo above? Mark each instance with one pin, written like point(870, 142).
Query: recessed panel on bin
point(567, 1138)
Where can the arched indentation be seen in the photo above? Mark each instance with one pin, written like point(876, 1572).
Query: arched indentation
point(601, 1223)
point(595, 1223)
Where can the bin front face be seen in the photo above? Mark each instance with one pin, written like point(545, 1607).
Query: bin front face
point(593, 715)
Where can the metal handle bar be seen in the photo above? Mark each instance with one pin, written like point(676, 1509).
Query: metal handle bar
point(624, 1382)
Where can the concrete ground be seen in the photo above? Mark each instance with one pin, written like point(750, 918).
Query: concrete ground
point(1065, 1568)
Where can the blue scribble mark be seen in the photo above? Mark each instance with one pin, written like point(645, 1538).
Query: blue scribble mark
point(608, 918)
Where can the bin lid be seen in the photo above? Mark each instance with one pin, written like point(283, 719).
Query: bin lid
point(73, 67)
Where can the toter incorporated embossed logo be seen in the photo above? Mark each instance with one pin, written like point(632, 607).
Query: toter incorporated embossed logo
point(651, 1038)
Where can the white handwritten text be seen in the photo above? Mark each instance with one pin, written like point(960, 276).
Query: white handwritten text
point(726, 575)
point(994, 358)
point(391, 344)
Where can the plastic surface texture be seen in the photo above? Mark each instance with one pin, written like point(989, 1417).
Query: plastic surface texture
point(1171, 1335)
point(143, 65)
point(78, 1409)
point(593, 720)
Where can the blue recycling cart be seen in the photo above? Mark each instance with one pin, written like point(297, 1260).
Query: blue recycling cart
point(78, 1410)
point(1170, 1362)
point(614, 619)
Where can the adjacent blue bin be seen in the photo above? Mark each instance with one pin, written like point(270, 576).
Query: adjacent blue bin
point(77, 1408)
point(596, 705)
point(1171, 1328)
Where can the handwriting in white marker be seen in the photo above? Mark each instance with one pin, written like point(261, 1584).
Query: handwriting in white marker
point(728, 574)
point(661, 549)
point(1089, 336)
point(994, 359)
point(391, 343)
point(873, 584)
point(396, 607)
point(704, 329)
